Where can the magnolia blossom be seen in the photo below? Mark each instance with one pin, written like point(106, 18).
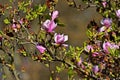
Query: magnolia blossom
point(106, 22)
point(14, 27)
point(108, 45)
point(55, 15)
point(60, 38)
point(118, 13)
point(14, 23)
point(104, 3)
point(41, 48)
point(49, 25)
point(89, 48)
point(95, 68)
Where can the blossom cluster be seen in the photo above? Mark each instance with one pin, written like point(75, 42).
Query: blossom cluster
point(102, 45)
point(49, 26)
point(101, 52)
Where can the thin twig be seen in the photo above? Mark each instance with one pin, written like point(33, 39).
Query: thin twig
point(74, 66)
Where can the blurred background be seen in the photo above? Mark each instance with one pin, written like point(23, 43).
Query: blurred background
point(75, 21)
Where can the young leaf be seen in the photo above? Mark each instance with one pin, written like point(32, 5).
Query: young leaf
point(6, 21)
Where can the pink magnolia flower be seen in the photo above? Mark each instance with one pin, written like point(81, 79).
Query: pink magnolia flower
point(104, 3)
point(41, 48)
point(106, 22)
point(118, 13)
point(14, 27)
point(95, 68)
point(55, 15)
point(60, 38)
point(94, 54)
point(89, 48)
point(49, 26)
point(108, 45)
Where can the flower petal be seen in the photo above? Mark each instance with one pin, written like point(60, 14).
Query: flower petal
point(106, 22)
point(65, 38)
point(118, 13)
point(41, 48)
point(46, 24)
point(55, 14)
point(60, 38)
point(95, 69)
point(52, 26)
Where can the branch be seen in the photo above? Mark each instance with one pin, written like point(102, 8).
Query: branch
point(74, 66)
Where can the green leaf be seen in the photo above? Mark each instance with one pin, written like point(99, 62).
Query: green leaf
point(51, 78)
point(6, 21)
point(44, 8)
point(4, 76)
point(70, 72)
point(11, 0)
point(61, 24)
point(47, 65)
point(58, 69)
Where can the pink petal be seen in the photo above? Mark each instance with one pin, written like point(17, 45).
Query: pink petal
point(95, 69)
point(46, 24)
point(118, 13)
point(52, 26)
point(89, 48)
point(60, 38)
point(65, 45)
point(14, 26)
point(106, 22)
point(106, 46)
point(104, 3)
point(55, 37)
point(114, 46)
point(41, 48)
point(65, 38)
point(21, 21)
point(55, 14)
point(95, 54)
point(49, 26)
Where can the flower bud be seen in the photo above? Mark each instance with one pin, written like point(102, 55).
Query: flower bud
point(41, 48)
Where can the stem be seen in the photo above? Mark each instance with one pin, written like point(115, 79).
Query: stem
point(28, 43)
point(26, 30)
point(14, 52)
point(51, 72)
point(13, 72)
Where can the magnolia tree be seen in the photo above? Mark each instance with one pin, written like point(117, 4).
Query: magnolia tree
point(101, 51)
